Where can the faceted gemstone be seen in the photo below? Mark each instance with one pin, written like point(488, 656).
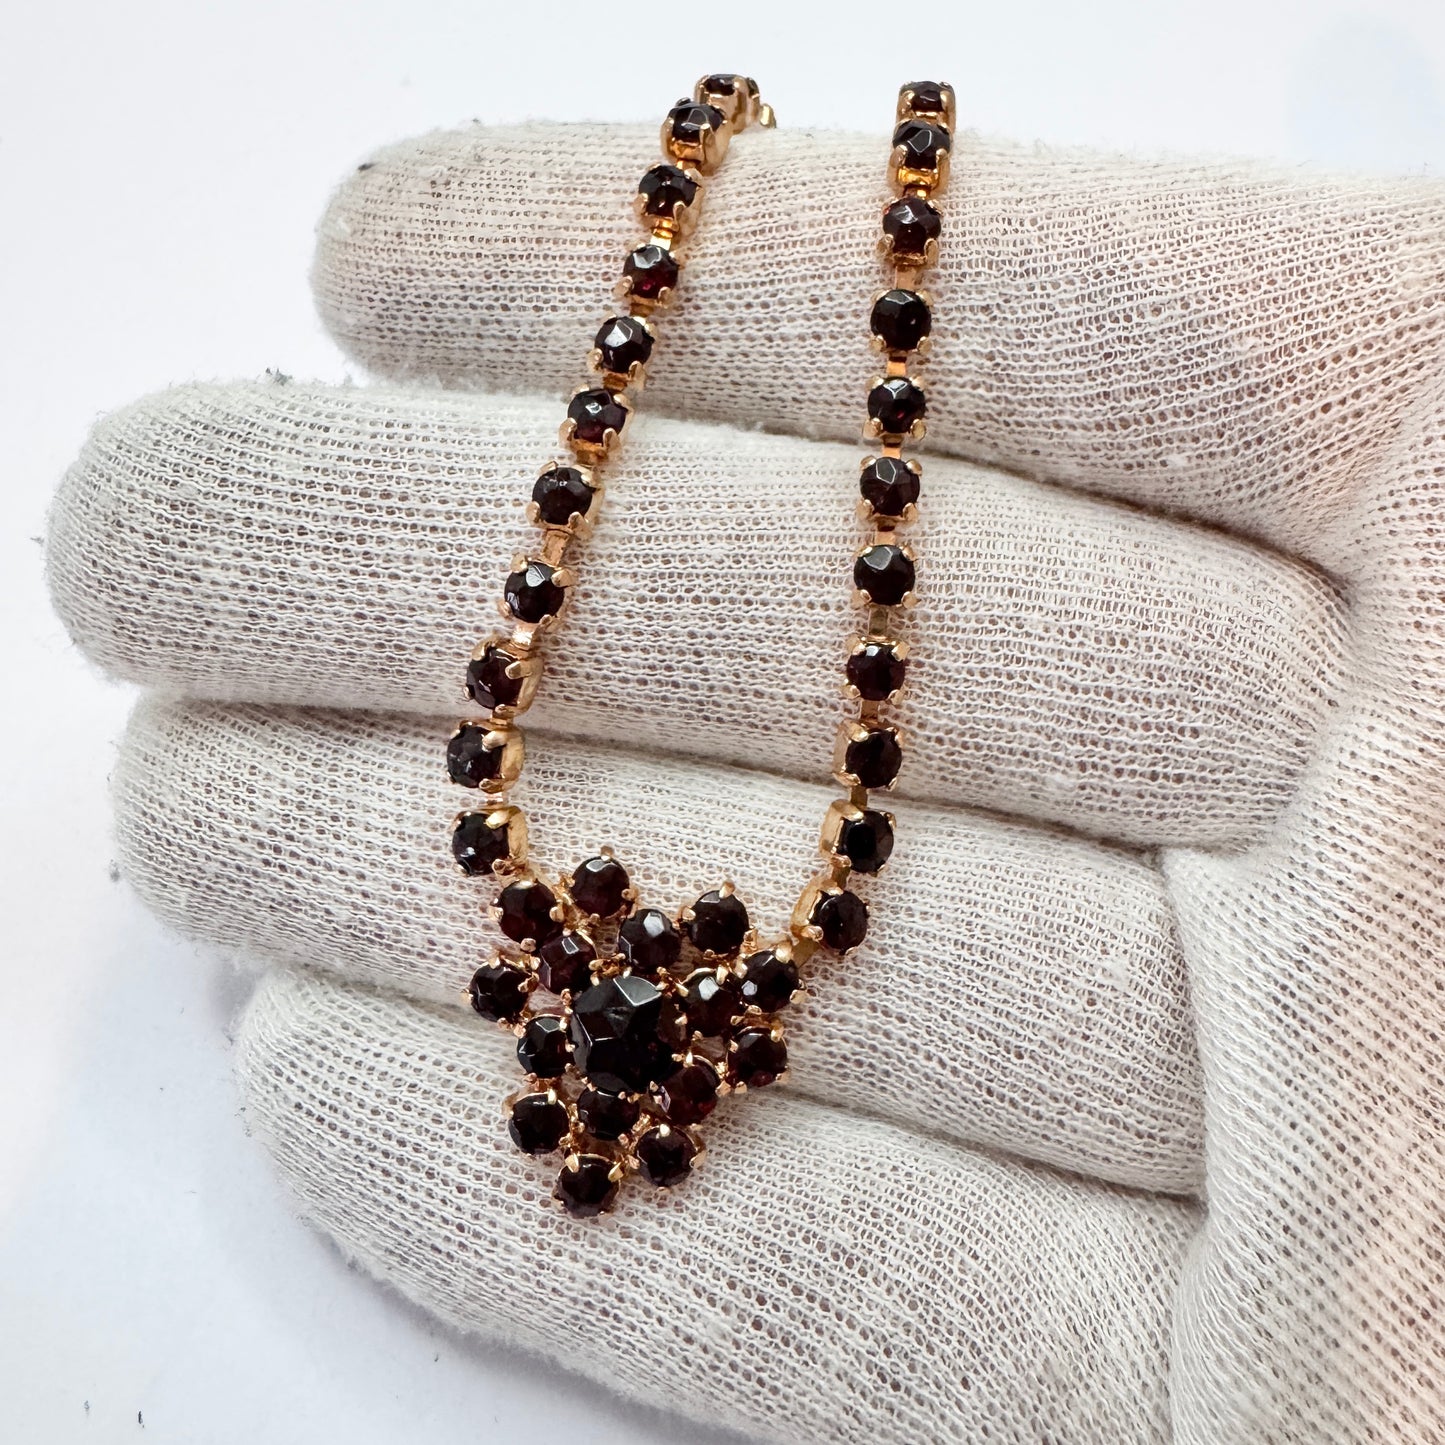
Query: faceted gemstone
point(565, 962)
point(874, 760)
point(689, 1094)
point(624, 1031)
point(900, 319)
point(560, 492)
point(542, 1049)
point(477, 844)
point(665, 1155)
point(922, 143)
point(532, 592)
point(622, 341)
point(884, 572)
point(539, 1123)
point(876, 670)
point(599, 886)
point(585, 1185)
point(896, 403)
point(596, 412)
point(710, 1003)
point(469, 762)
point(487, 682)
point(499, 991)
point(758, 1058)
point(866, 842)
point(719, 921)
point(648, 941)
point(719, 84)
point(607, 1116)
point(927, 96)
point(689, 120)
point(524, 910)
point(888, 485)
point(652, 270)
point(769, 981)
point(911, 223)
point(664, 187)
point(842, 918)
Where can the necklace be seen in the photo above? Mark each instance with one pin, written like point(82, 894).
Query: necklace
point(654, 1016)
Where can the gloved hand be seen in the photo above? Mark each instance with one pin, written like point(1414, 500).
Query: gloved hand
point(1124, 1119)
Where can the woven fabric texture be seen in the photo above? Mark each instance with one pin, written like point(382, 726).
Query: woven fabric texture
point(1122, 1125)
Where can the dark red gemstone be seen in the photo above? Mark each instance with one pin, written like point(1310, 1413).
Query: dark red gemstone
point(900, 320)
point(665, 1155)
point(874, 760)
point(720, 84)
point(866, 842)
point(469, 761)
point(884, 573)
point(477, 844)
point(876, 670)
point(565, 962)
point(533, 592)
point(622, 342)
point(524, 910)
point(888, 485)
point(923, 142)
point(843, 920)
point(664, 187)
point(539, 1123)
point(690, 120)
point(719, 922)
point(648, 942)
point(927, 96)
point(499, 991)
point(599, 886)
point(709, 1002)
point(895, 403)
point(487, 682)
point(910, 224)
point(689, 1094)
point(769, 981)
point(651, 270)
point(607, 1116)
point(586, 1187)
point(595, 412)
point(624, 1033)
point(757, 1059)
point(543, 1049)
point(560, 494)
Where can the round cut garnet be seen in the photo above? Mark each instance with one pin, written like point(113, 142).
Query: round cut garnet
point(709, 1002)
point(876, 670)
point(560, 494)
point(623, 342)
point(875, 759)
point(889, 485)
point(599, 886)
point(900, 320)
point(585, 1185)
point(757, 1058)
point(539, 1123)
point(499, 991)
point(469, 761)
point(651, 270)
point(663, 188)
point(690, 120)
point(895, 403)
point(910, 224)
point(866, 841)
point(542, 1049)
point(648, 942)
point(477, 844)
point(842, 918)
point(565, 962)
point(624, 1031)
point(719, 922)
point(884, 573)
point(922, 142)
point(607, 1116)
point(769, 980)
point(594, 413)
point(487, 682)
point(689, 1094)
point(665, 1155)
point(928, 96)
point(533, 592)
point(719, 84)
point(524, 911)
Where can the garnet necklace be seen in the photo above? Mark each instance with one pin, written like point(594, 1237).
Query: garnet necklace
point(632, 1022)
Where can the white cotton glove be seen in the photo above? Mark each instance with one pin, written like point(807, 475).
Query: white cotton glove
point(1122, 1124)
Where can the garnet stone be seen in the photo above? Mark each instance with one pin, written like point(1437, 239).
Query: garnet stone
point(478, 844)
point(542, 1049)
point(895, 403)
point(769, 980)
point(560, 494)
point(624, 1031)
point(533, 592)
point(499, 991)
point(663, 188)
point(648, 942)
point(689, 1094)
point(757, 1058)
point(585, 1185)
point(900, 320)
point(622, 342)
point(875, 759)
point(910, 224)
point(487, 682)
point(922, 142)
point(599, 886)
point(607, 1116)
point(889, 485)
point(524, 911)
point(927, 96)
point(539, 1123)
point(876, 670)
point(665, 1154)
point(710, 1002)
point(469, 761)
point(884, 572)
point(651, 270)
point(690, 120)
point(565, 962)
point(719, 922)
point(595, 412)
point(866, 841)
point(842, 918)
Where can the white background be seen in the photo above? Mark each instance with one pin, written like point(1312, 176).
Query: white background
point(161, 169)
